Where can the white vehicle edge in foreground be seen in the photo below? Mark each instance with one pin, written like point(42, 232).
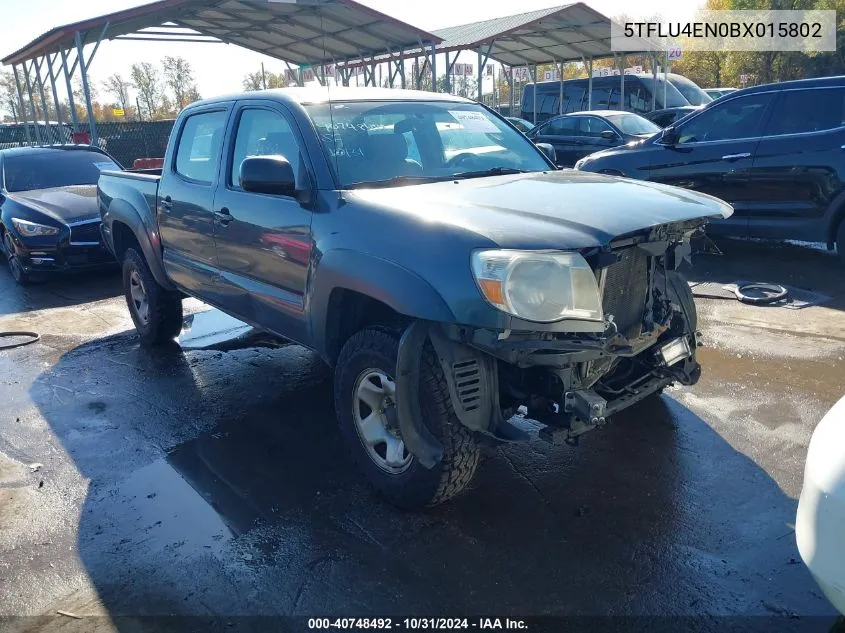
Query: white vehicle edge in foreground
point(820, 523)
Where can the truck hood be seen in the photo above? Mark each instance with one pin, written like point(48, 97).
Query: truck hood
point(63, 204)
point(561, 209)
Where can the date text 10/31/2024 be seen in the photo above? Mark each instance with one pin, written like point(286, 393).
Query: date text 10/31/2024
point(436, 624)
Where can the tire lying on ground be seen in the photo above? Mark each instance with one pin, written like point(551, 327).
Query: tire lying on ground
point(156, 311)
point(364, 391)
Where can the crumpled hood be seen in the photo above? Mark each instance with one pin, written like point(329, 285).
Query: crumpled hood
point(560, 209)
point(63, 204)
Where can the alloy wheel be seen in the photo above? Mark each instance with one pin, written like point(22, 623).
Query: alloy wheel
point(373, 409)
point(138, 293)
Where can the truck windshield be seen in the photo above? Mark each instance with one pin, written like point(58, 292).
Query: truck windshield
point(379, 143)
point(53, 168)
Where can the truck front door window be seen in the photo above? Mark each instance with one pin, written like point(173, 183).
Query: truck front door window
point(264, 133)
point(198, 152)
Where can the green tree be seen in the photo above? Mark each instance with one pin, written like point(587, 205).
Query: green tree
point(146, 79)
point(255, 80)
point(179, 77)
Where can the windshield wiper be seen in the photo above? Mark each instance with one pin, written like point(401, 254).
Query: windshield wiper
point(394, 182)
point(493, 171)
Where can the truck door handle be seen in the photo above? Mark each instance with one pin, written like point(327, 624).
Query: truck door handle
point(167, 204)
point(736, 156)
point(224, 216)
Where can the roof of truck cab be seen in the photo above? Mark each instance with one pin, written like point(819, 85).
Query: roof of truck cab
point(305, 96)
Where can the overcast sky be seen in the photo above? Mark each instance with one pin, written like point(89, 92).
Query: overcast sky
point(219, 68)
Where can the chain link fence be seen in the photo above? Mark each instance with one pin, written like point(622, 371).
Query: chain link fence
point(125, 140)
point(130, 140)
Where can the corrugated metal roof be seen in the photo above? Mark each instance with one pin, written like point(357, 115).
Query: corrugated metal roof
point(297, 31)
point(469, 34)
point(563, 33)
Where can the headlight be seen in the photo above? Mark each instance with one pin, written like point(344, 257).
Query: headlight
point(538, 286)
point(31, 229)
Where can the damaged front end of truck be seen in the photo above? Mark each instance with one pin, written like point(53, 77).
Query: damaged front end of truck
point(571, 376)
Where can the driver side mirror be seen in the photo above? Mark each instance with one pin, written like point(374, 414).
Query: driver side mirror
point(267, 174)
point(548, 150)
point(610, 135)
point(670, 136)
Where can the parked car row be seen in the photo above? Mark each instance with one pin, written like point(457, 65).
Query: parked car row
point(605, 93)
point(574, 136)
point(774, 152)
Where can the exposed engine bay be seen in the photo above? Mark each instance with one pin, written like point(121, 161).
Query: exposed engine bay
point(572, 382)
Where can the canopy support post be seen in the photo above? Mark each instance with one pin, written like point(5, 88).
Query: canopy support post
point(534, 77)
point(510, 90)
point(559, 69)
point(83, 69)
point(621, 65)
point(38, 132)
point(653, 81)
point(434, 67)
point(478, 89)
point(20, 103)
point(73, 116)
point(590, 86)
point(48, 129)
point(59, 117)
point(448, 78)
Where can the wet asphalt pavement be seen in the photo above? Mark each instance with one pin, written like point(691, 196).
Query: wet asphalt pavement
point(213, 481)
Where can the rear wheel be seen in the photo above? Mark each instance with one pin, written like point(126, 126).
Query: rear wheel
point(365, 393)
point(12, 260)
point(156, 311)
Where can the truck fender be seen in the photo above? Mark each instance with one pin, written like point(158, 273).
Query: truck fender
point(399, 288)
point(125, 213)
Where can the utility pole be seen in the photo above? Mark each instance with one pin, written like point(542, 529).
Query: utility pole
point(263, 76)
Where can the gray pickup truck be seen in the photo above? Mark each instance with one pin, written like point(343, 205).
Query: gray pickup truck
point(429, 252)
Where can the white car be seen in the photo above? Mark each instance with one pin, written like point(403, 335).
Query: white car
point(820, 524)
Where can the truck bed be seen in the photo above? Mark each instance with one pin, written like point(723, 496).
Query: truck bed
point(139, 188)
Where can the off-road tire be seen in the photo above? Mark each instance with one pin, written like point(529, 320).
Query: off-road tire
point(21, 277)
point(416, 487)
point(165, 306)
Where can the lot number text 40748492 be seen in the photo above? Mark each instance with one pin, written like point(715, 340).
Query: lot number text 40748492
point(435, 624)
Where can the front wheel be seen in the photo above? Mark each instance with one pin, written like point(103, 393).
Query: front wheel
point(365, 393)
point(156, 311)
point(20, 276)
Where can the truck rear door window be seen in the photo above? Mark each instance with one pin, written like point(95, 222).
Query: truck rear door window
point(198, 153)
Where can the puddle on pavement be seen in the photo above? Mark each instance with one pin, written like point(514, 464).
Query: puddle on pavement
point(217, 330)
point(163, 511)
point(817, 378)
point(275, 460)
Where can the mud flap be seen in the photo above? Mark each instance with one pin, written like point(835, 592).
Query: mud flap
point(418, 439)
point(473, 381)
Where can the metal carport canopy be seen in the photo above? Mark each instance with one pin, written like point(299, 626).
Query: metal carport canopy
point(302, 32)
point(571, 32)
